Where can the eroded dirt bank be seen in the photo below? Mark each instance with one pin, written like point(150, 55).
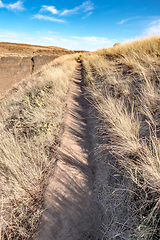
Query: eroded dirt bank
point(15, 68)
point(19, 61)
point(71, 210)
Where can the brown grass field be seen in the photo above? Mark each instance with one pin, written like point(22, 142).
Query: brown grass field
point(123, 85)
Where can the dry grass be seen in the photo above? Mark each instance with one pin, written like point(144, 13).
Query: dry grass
point(31, 118)
point(140, 47)
point(124, 84)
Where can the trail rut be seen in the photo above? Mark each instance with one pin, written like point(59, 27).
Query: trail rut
point(71, 212)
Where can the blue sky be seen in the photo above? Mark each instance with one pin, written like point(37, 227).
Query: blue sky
point(78, 25)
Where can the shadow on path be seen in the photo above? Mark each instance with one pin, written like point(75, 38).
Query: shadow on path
point(70, 210)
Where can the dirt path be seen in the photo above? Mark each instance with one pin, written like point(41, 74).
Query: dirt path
point(71, 212)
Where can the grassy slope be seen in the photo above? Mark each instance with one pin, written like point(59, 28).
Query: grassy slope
point(13, 49)
point(124, 85)
point(31, 117)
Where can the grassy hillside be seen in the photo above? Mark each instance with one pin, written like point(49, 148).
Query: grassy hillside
point(124, 86)
point(31, 117)
point(25, 49)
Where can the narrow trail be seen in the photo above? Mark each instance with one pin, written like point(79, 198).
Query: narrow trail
point(71, 212)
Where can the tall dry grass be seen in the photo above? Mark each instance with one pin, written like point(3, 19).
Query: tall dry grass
point(31, 118)
point(124, 85)
point(139, 47)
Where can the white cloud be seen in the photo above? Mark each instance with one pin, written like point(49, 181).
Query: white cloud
point(85, 7)
point(154, 27)
point(44, 17)
point(87, 15)
point(64, 40)
point(8, 34)
point(58, 40)
point(94, 40)
point(68, 12)
point(126, 20)
point(17, 6)
point(49, 39)
point(51, 9)
point(123, 21)
point(2, 5)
